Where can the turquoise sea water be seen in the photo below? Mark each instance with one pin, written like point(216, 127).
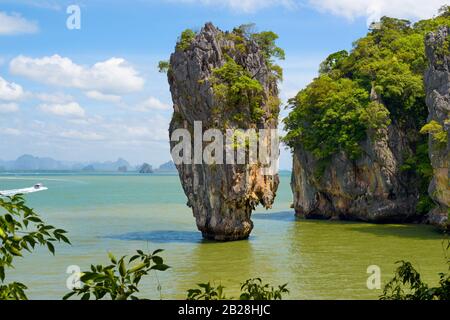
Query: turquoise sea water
point(122, 213)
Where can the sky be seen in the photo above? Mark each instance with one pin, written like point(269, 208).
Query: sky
point(95, 94)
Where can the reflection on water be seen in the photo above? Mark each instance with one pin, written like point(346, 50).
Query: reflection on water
point(276, 216)
point(318, 259)
point(161, 236)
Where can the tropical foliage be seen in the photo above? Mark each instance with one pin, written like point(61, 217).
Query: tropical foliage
point(185, 40)
point(359, 93)
point(120, 279)
point(237, 90)
point(21, 229)
point(407, 284)
point(437, 132)
point(252, 289)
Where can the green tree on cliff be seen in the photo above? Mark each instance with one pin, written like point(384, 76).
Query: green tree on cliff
point(359, 92)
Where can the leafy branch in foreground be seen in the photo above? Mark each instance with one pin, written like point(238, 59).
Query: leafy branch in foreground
point(21, 229)
point(407, 284)
point(206, 292)
point(252, 289)
point(255, 289)
point(120, 279)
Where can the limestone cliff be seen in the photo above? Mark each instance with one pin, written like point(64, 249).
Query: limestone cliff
point(358, 130)
point(222, 196)
point(437, 85)
point(371, 188)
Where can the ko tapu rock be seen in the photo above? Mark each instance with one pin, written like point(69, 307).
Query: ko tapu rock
point(224, 81)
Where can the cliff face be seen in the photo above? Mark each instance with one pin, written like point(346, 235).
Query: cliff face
point(372, 188)
point(437, 85)
point(222, 196)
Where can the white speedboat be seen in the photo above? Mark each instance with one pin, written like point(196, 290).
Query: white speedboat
point(36, 188)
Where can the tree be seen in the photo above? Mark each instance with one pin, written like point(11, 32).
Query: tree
point(237, 91)
point(185, 40)
point(334, 112)
point(120, 279)
point(407, 284)
point(252, 289)
point(437, 132)
point(329, 116)
point(163, 66)
point(21, 229)
point(266, 42)
point(255, 289)
point(206, 291)
point(333, 62)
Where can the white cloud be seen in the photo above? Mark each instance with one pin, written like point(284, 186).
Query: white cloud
point(54, 97)
point(114, 75)
point(242, 5)
point(373, 10)
point(96, 95)
point(71, 109)
point(152, 103)
point(138, 129)
point(93, 121)
point(81, 135)
point(16, 24)
point(43, 4)
point(370, 9)
point(10, 132)
point(10, 91)
point(8, 107)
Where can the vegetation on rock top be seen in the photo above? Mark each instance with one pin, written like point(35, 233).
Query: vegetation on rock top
point(360, 92)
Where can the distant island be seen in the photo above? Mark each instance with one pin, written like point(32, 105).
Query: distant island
point(167, 167)
point(32, 163)
point(146, 168)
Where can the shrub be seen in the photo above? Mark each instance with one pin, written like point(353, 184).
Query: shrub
point(21, 229)
point(407, 284)
point(437, 132)
point(185, 40)
point(252, 289)
point(120, 279)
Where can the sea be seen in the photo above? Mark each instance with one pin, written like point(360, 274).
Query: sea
point(121, 213)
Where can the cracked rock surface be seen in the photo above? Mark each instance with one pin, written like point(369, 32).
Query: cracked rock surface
point(222, 196)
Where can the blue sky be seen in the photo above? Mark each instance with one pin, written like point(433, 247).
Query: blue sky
point(96, 94)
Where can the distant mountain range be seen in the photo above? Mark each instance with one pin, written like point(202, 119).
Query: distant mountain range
point(31, 163)
point(166, 167)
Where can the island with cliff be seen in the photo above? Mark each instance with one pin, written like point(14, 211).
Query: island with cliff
point(369, 135)
point(300, 158)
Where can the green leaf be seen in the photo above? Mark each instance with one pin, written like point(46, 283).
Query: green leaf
point(157, 260)
point(112, 258)
point(2, 233)
point(157, 251)
point(138, 267)
point(86, 296)
point(14, 251)
point(68, 295)
point(160, 267)
point(51, 248)
point(122, 268)
point(88, 276)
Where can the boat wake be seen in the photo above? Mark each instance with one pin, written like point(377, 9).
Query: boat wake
point(36, 188)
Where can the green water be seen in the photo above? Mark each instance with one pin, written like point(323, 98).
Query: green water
point(121, 213)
